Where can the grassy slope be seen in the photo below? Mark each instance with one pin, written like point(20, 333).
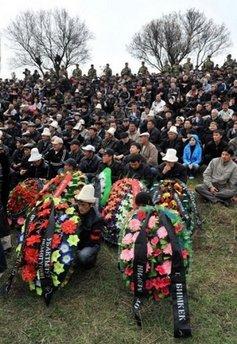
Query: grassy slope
point(95, 307)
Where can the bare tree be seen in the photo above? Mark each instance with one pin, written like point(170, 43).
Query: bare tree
point(48, 39)
point(175, 36)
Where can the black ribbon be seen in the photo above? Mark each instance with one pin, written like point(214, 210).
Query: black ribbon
point(178, 288)
point(45, 260)
point(139, 270)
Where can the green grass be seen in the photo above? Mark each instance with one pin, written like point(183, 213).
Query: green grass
point(96, 306)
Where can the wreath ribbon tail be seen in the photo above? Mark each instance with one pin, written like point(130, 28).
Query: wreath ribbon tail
point(178, 289)
point(139, 268)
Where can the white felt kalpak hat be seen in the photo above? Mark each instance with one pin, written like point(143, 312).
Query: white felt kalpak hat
point(170, 155)
point(54, 124)
point(87, 194)
point(88, 148)
point(173, 129)
point(56, 140)
point(34, 155)
point(46, 132)
point(111, 131)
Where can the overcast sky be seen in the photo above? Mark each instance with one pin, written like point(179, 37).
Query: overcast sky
point(114, 22)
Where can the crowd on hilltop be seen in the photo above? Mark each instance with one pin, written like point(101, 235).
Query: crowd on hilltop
point(144, 125)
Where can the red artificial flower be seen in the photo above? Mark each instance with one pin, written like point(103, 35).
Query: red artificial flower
point(160, 283)
point(165, 291)
point(185, 254)
point(61, 206)
point(31, 255)
point(128, 271)
point(44, 224)
point(68, 227)
point(141, 215)
point(45, 205)
point(33, 239)
point(44, 213)
point(157, 252)
point(28, 273)
point(56, 241)
point(178, 228)
point(149, 284)
point(31, 227)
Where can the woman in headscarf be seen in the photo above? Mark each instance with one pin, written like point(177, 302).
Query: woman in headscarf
point(192, 156)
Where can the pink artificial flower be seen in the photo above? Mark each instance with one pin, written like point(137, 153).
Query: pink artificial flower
point(162, 232)
point(128, 239)
point(127, 255)
point(128, 271)
point(168, 249)
point(149, 284)
point(134, 225)
point(135, 235)
point(148, 267)
point(149, 249)
point(152, 222)
point(165, 268)
point(154, 241)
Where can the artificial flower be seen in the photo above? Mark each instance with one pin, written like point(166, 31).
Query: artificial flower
point(152, 222)
point(64, 248)
point(66, 259)
point(162, 232)
point(141, 215)
point(55, 256)
point(33, 239)
point(56, 241)
point(165, 268)
point(128, 239)
point(134, 225)
point(44, 224)
point(70, 211)
point(154, 240)
point(127, 254)
point(58, 268)
point(44, 213)
point(168, 249)
point(31, 255)
point(69, 227)
point(128, 271)
point(28, 273)
point(149, 249)
point(73, 240)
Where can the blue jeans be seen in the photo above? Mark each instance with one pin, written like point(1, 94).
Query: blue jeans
point(87, 256)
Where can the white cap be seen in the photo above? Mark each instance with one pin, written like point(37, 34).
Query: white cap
point(87, 194)
point(46, 132)
point(89, 148)
point(56, 140)
point(173, 129)
point(170, 155)
point(1, 133)
point(111, 131)
point(34, 155)
point(98, 106)
point(145, 134)
point(54, 124)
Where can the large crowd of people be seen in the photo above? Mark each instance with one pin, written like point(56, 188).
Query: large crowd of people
point(174, 124)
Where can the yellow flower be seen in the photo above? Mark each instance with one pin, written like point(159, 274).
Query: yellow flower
point(58, 268)
point(55, 256)
point(73, 240)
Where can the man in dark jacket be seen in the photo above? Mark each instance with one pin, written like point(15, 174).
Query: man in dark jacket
point(108, 161)
point(90, 227)
point(38, 167)
point(170, 168)
point(138, 169)
point(56, 156)
point(89, 164)
point(215, 147)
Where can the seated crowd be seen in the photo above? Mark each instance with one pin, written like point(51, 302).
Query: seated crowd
point(145, 125)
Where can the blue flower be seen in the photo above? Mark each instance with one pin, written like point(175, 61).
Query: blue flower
point(64, 248)
point(66, 259)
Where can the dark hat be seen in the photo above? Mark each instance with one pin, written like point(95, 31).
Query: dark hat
point(70, 162)
point(109, 152)
point(123, 135)
point(93, 127)
point(76, 142)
